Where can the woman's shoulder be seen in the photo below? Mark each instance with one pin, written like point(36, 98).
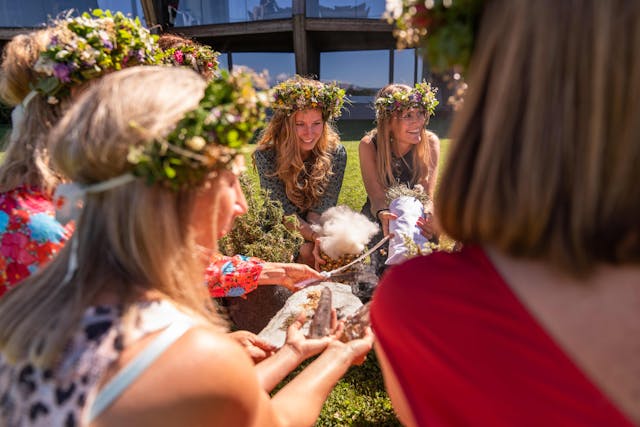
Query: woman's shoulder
point(340, 151)
point(451, 274)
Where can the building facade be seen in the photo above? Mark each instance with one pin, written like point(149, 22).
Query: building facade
point(347, 41)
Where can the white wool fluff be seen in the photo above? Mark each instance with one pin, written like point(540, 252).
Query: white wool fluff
point(342, 231)
point(408, 210)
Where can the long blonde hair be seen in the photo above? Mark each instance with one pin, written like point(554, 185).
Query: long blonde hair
point(421, 156)
point(545, 154)
point(304, 186)
point(26, 161)
point(119, 248)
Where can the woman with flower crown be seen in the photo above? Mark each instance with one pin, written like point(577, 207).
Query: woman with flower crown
point(40, 70)
point(299, 156)
point(400, 150)
point(130, 337)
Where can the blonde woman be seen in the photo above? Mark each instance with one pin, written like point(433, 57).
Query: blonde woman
point(118, 329)
point(299, 157)
point(535, 322)
point(40, 73)
point(400, 150)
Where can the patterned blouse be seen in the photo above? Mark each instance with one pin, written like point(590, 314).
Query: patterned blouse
point(63, 395)
point(232, 276)
point(266, 164)
point(29, 234)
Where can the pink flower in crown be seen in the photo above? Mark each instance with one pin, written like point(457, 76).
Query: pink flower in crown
point(179, 56)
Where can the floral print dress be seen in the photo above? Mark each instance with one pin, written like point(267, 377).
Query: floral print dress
point(29, 234)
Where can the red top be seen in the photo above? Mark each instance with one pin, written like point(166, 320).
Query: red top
point(467, 352)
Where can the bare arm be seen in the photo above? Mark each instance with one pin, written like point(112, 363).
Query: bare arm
point(372, 184)
point(429, 182)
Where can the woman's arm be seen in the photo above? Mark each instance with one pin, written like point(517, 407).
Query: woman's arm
point(429, 182)
point(372, 183)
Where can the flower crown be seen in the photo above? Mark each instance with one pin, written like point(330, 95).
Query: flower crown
point(444, 29)
point(202, 59)
point(207, 138)
point(298, 94)
point(420, 96)
point(87, 47)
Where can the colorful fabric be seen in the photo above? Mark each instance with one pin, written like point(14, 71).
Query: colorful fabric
point(232, 276)
point(29, 234)
point(466, 351)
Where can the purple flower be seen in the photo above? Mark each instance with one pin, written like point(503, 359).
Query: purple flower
point(107, 44)
point(62, 72)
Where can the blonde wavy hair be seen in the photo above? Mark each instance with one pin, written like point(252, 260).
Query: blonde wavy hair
point(26, 160)
point(118, 245)
point(384, 139)
point(545, 160)
point(304, 187)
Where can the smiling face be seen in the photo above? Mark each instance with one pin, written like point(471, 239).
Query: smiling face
point(407, 126)
point(309, 126)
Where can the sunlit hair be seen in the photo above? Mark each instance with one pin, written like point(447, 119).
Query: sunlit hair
point(304, 188)
point(384, 140)
point(26, 159)
point(544, 163)
point(119, 247)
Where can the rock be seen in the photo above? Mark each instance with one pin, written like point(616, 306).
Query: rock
point(253, 313)
point(305, 300)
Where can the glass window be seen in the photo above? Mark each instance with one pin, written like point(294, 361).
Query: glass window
point(345, 8)
point(404, 62)
point(223, 61)
point(199, 12)
point(347, 68)
point(277, 66)
point(34, 13)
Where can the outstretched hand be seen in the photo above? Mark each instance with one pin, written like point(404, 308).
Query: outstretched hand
point(358, 348)
point(384, 217)
point(257, 348)
point(306, 347)
point(287, 274)
point(427, 226)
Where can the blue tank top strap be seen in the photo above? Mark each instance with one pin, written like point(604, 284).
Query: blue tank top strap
point(136, 367)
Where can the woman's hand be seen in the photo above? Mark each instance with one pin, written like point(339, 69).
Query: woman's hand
point(257, 348)
point(384, 216)
point(286, 274)
point(427, 226)
point(356, 350)
point(306, 347)
point(317, 259)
